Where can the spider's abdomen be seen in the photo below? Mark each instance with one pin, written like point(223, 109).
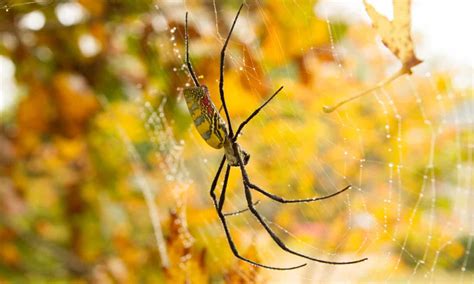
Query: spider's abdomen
point(205, 115)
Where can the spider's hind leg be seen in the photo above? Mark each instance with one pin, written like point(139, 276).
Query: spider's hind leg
point(240, 211)
point(236, 252)
point(283, 200)
point(220, 204)
point(276, 239)
point(222, 197)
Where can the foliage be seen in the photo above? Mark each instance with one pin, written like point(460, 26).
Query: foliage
point(100, 121)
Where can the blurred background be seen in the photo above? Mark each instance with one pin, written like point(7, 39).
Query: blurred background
point(103, 177)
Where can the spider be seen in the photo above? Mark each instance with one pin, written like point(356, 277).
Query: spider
point(215, 132)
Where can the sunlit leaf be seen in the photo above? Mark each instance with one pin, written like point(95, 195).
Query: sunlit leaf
point(396, 36)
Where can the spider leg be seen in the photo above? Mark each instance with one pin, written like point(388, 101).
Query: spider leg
point(222, 196)
point(221, 78)
point(278, 241)
point(236, 252)
point(241, 126)
point(214, 182)
point(224, 188)
point(186, 57)
point(224, 223)
point(241, 211)
point(283, 200)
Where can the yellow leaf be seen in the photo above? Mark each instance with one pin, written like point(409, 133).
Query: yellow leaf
point(289, 33)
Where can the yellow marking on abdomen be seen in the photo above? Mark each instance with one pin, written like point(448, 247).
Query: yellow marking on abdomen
point(205, 115)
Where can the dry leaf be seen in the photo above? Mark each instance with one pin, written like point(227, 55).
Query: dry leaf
point(396, 36)
point(75, 102)
point(188, 263)
point(242, 272)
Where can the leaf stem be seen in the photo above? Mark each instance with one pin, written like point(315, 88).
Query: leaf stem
point(402, 71)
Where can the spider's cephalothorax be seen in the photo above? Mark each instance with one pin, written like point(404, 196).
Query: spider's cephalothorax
point(217, 134)
point(231, 158)
point(210, 124)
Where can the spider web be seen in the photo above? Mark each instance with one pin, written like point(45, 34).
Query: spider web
point(448, 112)
point(409, 210)
point(414, 238)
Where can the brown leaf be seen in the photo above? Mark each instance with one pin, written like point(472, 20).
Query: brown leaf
point(396, 34)
point(187, 262)
point(242, 272)
point(35, 111)
point(75, 102)
point(34, 117)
